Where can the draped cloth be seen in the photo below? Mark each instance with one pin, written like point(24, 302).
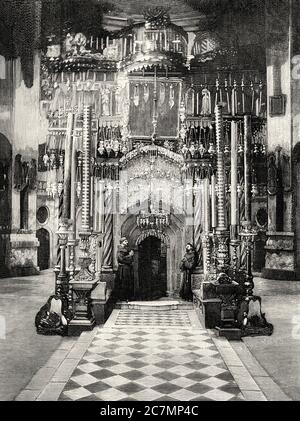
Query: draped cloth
point(125, 279)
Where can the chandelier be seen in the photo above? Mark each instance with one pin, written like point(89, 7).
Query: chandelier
point(155, 220)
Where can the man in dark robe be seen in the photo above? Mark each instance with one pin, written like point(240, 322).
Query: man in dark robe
point(187, 265)
point(125, 279)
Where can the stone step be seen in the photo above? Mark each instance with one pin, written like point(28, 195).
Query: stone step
point(164, 305)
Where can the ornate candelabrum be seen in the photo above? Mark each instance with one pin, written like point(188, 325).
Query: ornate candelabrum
point(84, 281)
point(235, 244)
point(247, 235)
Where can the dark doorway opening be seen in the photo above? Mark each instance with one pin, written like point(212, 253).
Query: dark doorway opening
point(152, 272)
point(43, 254)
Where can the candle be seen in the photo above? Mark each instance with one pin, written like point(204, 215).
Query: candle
point(206, 205)
point(213, 202)
point(193, 102)
point(125, 47)
point(234, 136)
point(247, 167)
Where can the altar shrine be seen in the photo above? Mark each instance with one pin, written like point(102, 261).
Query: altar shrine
point(157, 135)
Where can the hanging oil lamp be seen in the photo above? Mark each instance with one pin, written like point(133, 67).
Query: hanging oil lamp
point(60, 188)
point(202, 150)
point(61, 160)
point(101, 147)
point(46, 160)
point(192, 150)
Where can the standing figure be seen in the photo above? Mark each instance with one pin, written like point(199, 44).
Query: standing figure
point(125, 279)
point(188, 264)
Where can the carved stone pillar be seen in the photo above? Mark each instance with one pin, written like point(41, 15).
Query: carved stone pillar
point(198, 217)
point(107, 274)
point(108, 229)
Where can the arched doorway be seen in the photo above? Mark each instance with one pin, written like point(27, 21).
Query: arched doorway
point(43, 254)
point(152, 269)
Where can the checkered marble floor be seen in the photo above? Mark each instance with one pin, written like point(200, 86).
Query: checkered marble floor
point(177, 318)
point(146, 356)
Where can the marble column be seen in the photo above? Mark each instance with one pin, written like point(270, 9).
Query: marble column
point(198, 216)
point(107, 258)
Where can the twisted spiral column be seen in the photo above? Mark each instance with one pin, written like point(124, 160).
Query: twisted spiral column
point(107, 258)
point(86, 176)
point(60, 211)
point(198, 219)
point(242, 262)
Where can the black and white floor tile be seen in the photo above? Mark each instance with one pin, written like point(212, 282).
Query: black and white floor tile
point(149, 355)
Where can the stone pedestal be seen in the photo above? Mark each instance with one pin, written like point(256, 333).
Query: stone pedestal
point(108, 276)
point(280, 256)
point(197, 278)
point(208, 305)
point(83, 317)
point(23, 254)
point(102, 302)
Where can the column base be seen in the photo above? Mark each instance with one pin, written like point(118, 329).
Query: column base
point(83, 318)
point(102, 302)
point(197, 277)
point(108, 275)
point(230, 333)
point(76, 327)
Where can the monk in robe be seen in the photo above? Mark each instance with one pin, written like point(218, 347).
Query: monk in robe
point(125, 279)
point(188, 264)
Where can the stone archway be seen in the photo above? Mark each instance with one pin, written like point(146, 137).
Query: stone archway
point(172, 238)
point(151, 182)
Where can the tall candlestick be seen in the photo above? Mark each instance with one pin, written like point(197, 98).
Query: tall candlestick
point(67, 167)
point(233, 194)
point(125, 47)
point(213, 202)
point(85, 210)
point(220, 168)
point(247, 167)
point(206, 205)
point(73, 182)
